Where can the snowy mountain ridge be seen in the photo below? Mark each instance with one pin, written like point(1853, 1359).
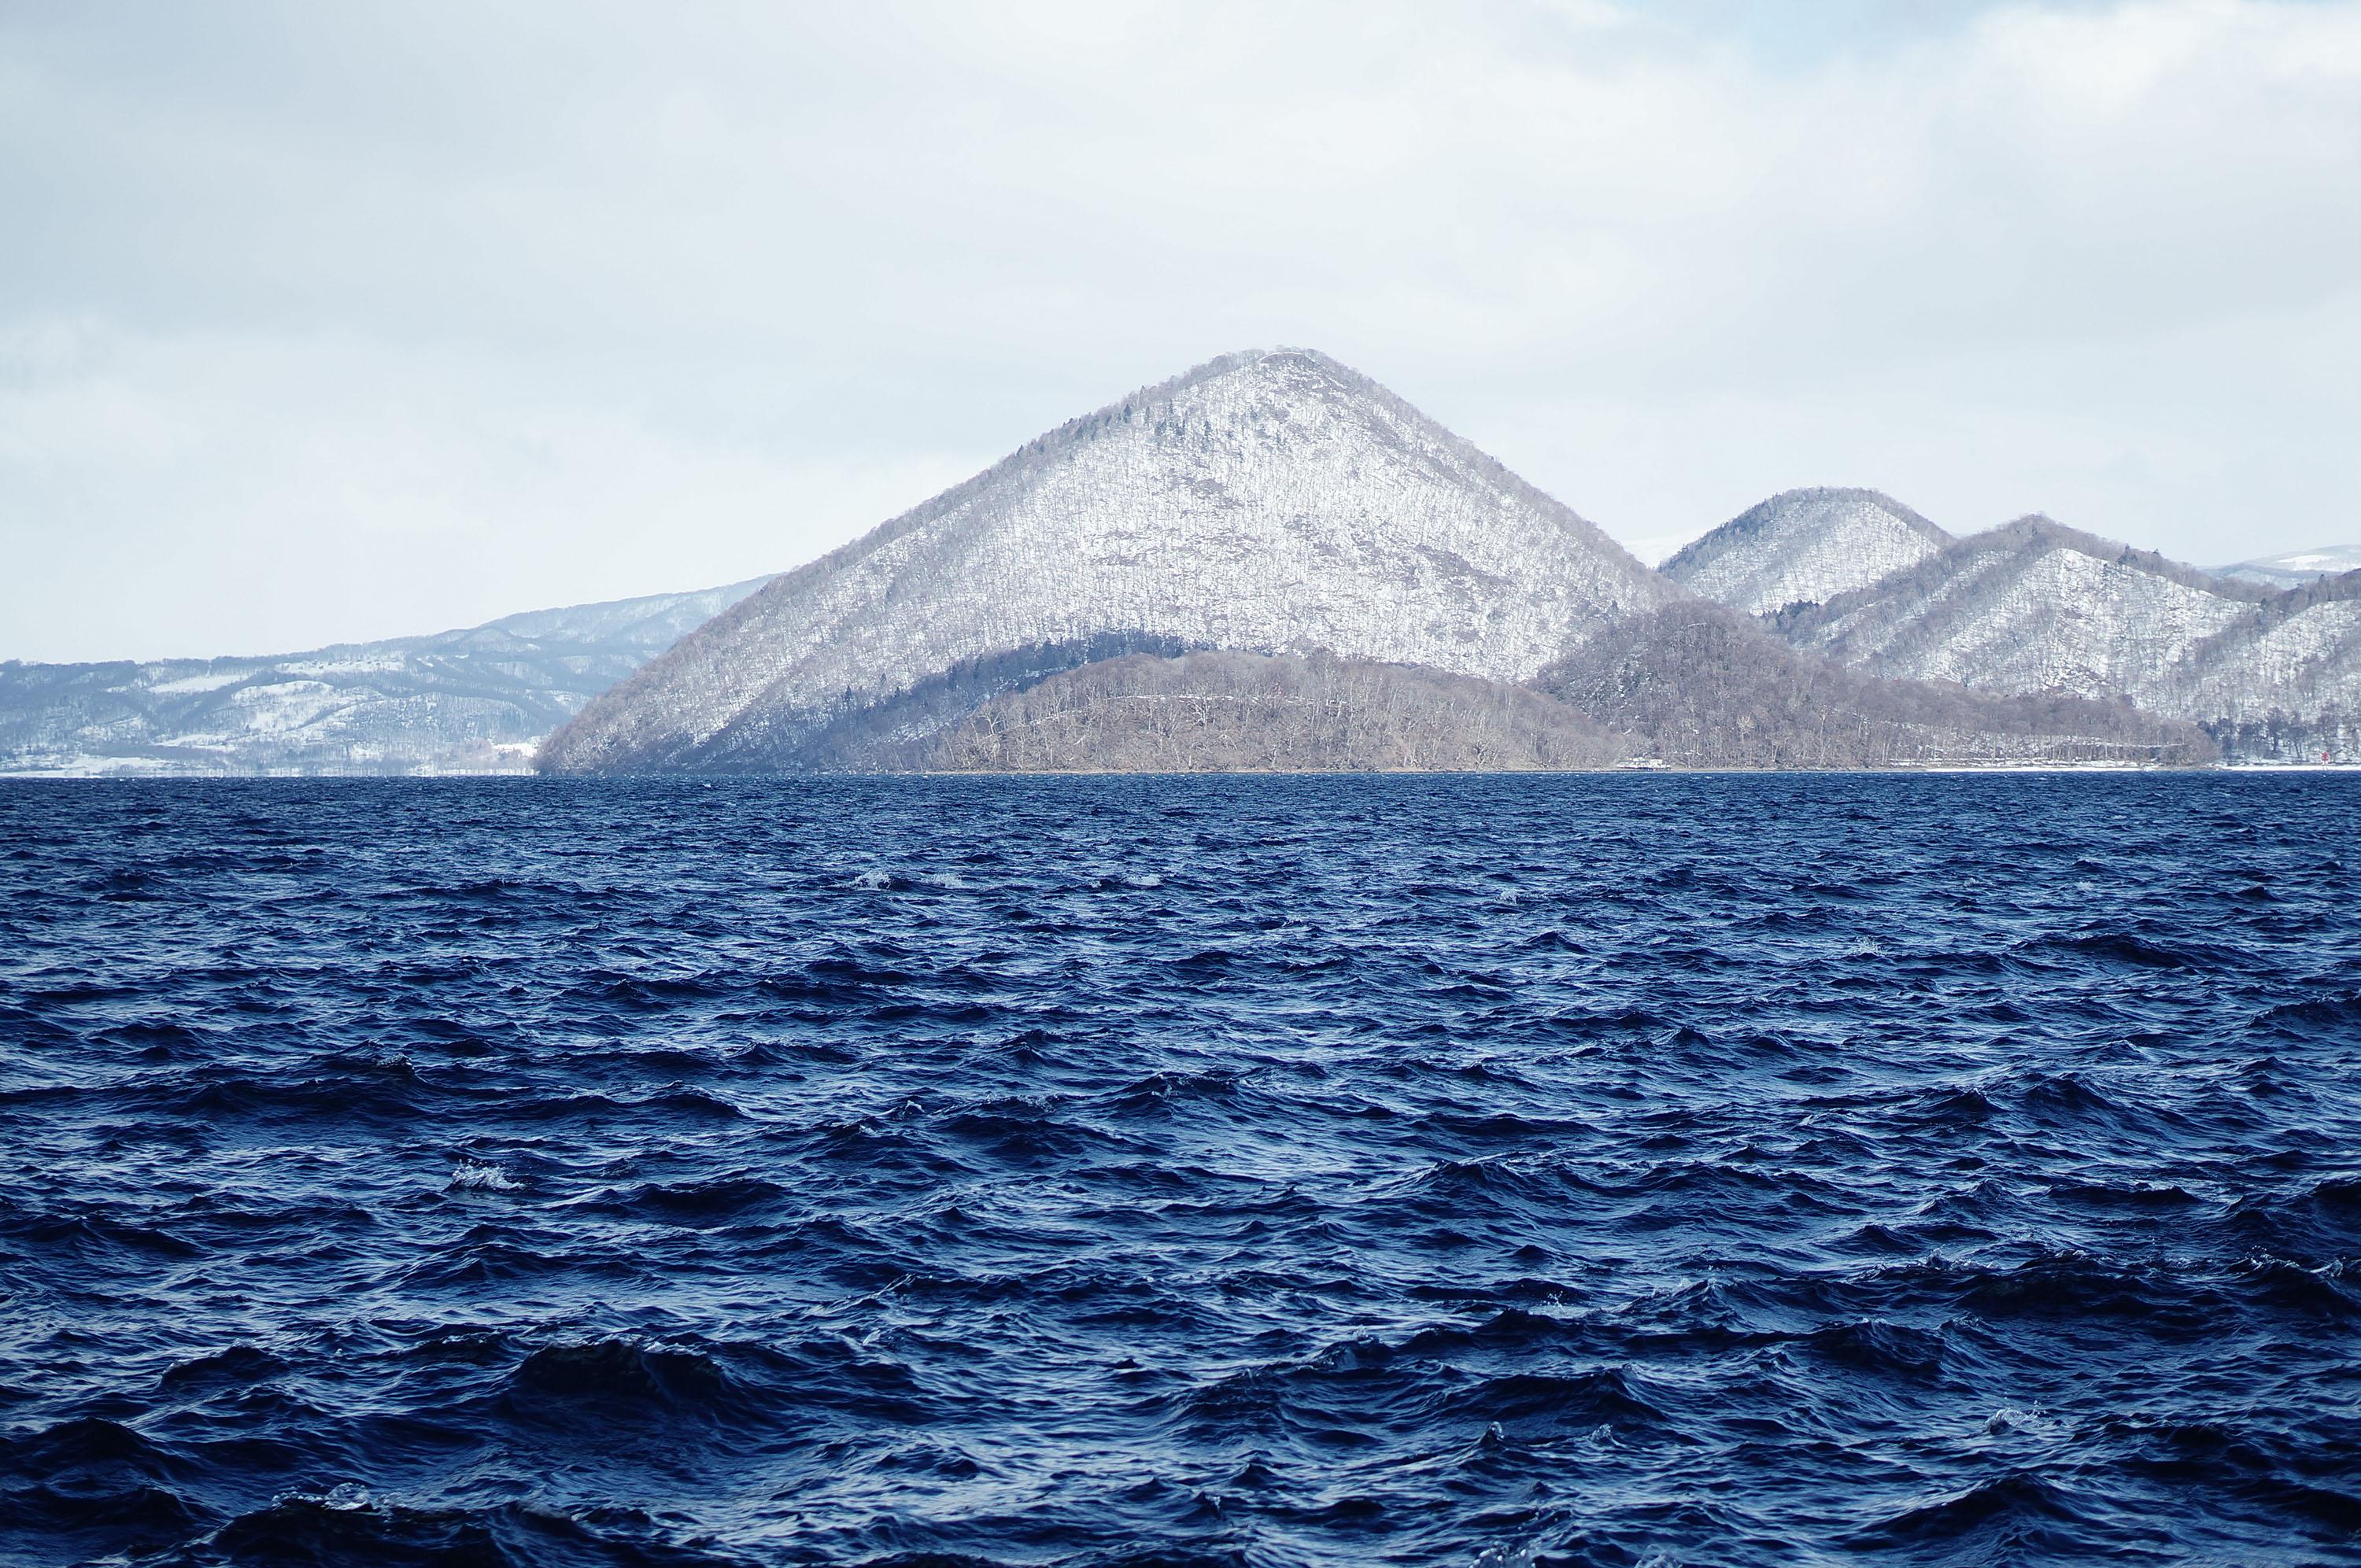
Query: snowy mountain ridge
point(1271, 502)
point(2035, 608)
point(1271, 556)
point(473, 699)
point(2297, 568)
point(1803, 547)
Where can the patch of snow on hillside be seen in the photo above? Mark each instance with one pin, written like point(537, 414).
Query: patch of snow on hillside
point(188, 684)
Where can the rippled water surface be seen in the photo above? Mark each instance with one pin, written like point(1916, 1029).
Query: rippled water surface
point(1614, 1170)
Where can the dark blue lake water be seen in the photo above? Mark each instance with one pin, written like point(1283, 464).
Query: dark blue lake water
point(1586, 1170)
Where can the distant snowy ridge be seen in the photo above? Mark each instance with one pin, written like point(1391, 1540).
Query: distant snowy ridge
point(1273, 502)
point(2296, 568)
point(1803, 547)
point(475, 701)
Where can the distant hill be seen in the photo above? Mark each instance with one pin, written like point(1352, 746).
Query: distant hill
point(1229, 712)
point(1697, 684)
point(475, 699)
point(2297, 568)
point(2035, 608)
point(1803, 547)
point(1270, 502)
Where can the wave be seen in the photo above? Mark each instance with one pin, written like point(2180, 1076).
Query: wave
point(1606, 1169)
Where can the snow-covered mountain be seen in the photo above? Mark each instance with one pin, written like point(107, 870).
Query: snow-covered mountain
point(472, 700)
point(2297, 568)
point(1270, 502)
point(1804, 547)
point(2034, 607)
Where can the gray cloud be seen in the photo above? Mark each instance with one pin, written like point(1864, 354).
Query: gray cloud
point(343, 321)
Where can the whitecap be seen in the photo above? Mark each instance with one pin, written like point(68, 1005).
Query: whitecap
point(1505, 1557)
point(480, 1176)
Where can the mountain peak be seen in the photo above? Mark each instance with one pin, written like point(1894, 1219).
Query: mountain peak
point(1803, 547)
point(1271, 502)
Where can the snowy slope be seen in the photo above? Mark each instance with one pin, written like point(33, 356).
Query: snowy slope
point(2031, 607)
point(1804, 547)
point(2282, 682)
point(2295, 569)
point(2036, 608)
point(477, 698)
point(1270, 502)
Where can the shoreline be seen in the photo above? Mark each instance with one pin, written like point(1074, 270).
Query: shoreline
point(61, 776)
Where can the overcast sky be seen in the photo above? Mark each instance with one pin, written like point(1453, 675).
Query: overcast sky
point(324, 322)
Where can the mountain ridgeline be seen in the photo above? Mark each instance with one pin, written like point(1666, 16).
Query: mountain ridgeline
point(2034, 608)
point(475, 701)
point(1272, 563)
point(2296, 569)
